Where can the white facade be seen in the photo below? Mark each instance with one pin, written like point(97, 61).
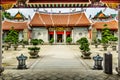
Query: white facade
point(76, 34)
point(40, 33)
point(20, 35)
point(79, 32)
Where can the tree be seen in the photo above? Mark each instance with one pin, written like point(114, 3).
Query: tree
point(106, 35)
point(12, 36)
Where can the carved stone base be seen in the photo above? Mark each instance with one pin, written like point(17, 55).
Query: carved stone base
point(1, 70)
point(22, 67)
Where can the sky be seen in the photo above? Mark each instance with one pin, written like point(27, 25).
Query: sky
point(88, 11)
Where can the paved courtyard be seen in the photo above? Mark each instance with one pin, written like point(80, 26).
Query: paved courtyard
point(56, 62)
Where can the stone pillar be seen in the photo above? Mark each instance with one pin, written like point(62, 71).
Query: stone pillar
point(25, 33)
point(72, 35)
point(1, 68)
point(64, 36)
point(118, 69)
point(54, 36)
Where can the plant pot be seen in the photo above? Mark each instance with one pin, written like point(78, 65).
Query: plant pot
point(23, 45)
point(96, 45)
point(15, 47)
point(114, 48)
point(34, 54)
point(105, 48)
point(86, 55)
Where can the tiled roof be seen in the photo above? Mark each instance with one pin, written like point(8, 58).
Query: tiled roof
point(113, 25)
point(19, 16)
point(69, 19)
point(6, 25)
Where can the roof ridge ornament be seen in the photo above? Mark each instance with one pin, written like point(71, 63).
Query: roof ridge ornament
point(96, 3)
point(21, 3)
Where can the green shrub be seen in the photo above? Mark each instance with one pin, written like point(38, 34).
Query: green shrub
point(69, 40)
point(114, 38)
point(35, 41)
point(83, 40)
point(51, 41)
point(34, 48)
point(84, 45)
point(40, 41)
point(12, 36)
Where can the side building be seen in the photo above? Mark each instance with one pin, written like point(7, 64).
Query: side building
point(19, 23)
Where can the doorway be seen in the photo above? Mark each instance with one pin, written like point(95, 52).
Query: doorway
point(59, 38)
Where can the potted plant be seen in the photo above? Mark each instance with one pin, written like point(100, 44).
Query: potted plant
point(51, 41)
point(84, 47)
point(106, 37)
point(23, 43)
point(113, 42)
point(34, 50)
point(41, 41)
point(96, 43)
point(105, 44)
point(69, 40)
point(12, 37)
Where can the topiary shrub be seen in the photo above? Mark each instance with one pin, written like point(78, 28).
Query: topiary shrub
point(51, 40)
point(69, 40)
point(84, 47)
point(40, 41)
point(35, 41)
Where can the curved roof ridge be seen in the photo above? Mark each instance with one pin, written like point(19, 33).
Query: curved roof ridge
point(61, 13)
point(15, 21)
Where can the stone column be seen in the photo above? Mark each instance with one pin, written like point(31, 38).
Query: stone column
point(54, 36)
point(72, 35)
point(64, 36)
point(118, 69)
point(25, 33)
point(1, 68)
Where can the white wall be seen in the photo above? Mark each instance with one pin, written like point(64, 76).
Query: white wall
point(79, 32)
point(99, 34)
point(20, 35)
point(40, 33)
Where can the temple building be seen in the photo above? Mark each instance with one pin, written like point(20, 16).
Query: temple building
point(19, 23)
point(60, 26)
point(100, 21)
point(100, 16)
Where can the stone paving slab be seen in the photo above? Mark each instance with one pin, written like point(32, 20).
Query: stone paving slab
point(57, 75)
point(59, 56)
